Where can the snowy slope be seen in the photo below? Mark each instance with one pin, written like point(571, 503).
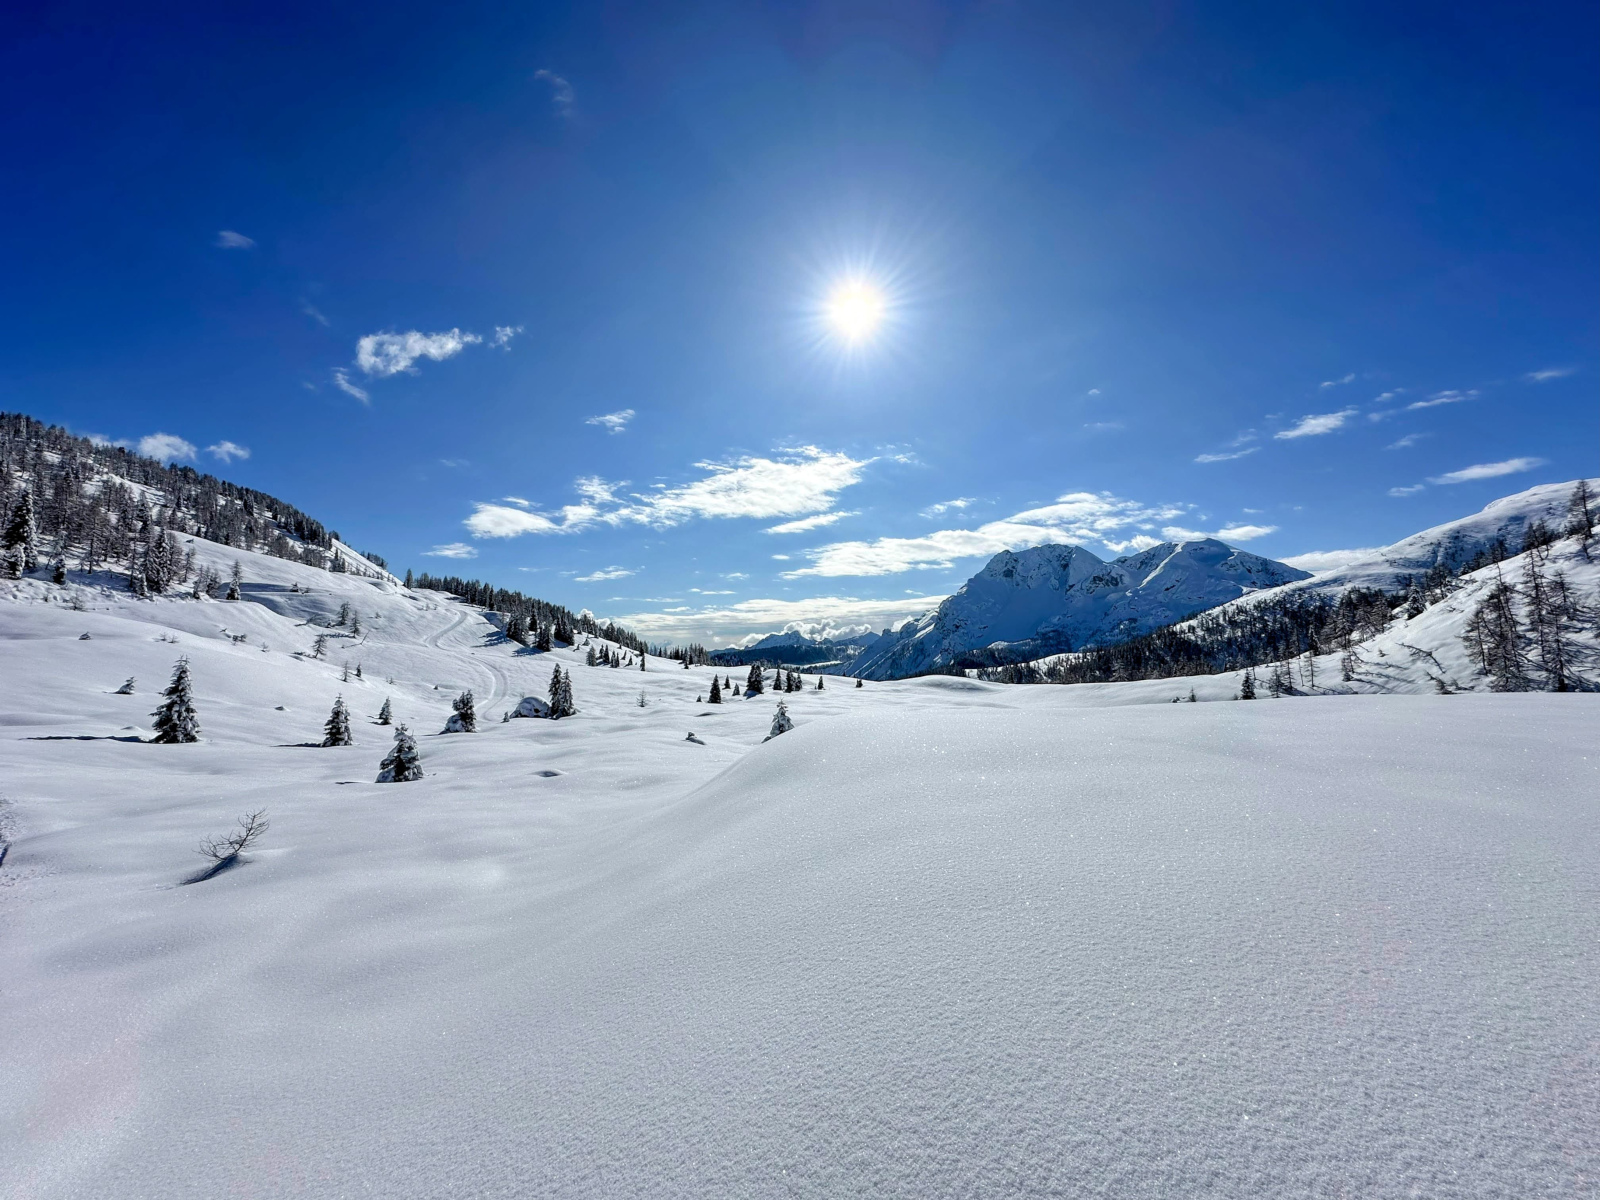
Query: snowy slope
point(1065, 596)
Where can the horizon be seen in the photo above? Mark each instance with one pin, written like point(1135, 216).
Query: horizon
point(735, 322)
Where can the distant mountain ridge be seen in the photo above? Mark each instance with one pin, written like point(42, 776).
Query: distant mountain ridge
point(1060, 597)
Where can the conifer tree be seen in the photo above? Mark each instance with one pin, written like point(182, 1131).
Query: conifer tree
point(234, 580)
point(780, 722)
point(320, 646)
point(819, 683)
point(176, 721)
point(385, 714)
point(641, 660)
point(464, 708)
point(58, 569)
point(716, 692)
point(858, 682)
point(403, 764)
point(337, 731)
point(753, 684)
point(127, 687)
point(592, 658)
point(1247, 686)
point(20, 546)
point(736, 689)
point(543, 642)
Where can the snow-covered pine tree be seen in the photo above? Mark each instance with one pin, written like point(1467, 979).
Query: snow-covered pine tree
point(344, 676)
point(780, 722)
point(1247, 685)
point(716, 692)
point(464, 708)
point(343, 618)
point(20, 546)
point(592, 658)
point(127, 687)
point(403, 764)
point(176, 721)
point(753, 684)
point(234, 580)
point(560, 694)
point(58, 569)
point(543, 642)
point(385, 714)
point(337, 731)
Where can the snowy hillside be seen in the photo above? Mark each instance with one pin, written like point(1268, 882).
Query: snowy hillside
point(1065, 597)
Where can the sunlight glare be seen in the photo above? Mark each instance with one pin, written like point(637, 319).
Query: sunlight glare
point(855, 310)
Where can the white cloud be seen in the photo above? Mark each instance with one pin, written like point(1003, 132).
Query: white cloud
point(1549, 373)
point(805, 523)
point(1075, 517)
point(1333, 383)
point(1325, 560)
point(1410, 439)
point(229, 239)
point(168, 447)
point(944, 506)
point(1408, 491)
point(1510, 466)
point(1094, 391)
point(518, 501)
point(228, 451)
point(613, 422)
point(1244, 533)
point(452, 550)
point(1138, 542)
point(605, 573)
point(342, 382)
point(748, 620)
point(503, 335)
point(497, 521)
point(315, 313)
point(780, 557)
point(1315, 425)
point(1447, 397)
point(561, 93)
point(385, 354)
point(1385, 397)
point(1211, 458)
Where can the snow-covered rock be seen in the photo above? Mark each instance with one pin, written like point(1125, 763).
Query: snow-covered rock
point(1065, 598)
point(531, 706)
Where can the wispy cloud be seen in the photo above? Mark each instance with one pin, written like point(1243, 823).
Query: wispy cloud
point(944, 506)
point(805, 523)
point(341, 380)
point(605, 573)
point(1314, 426)
point(228, 451)
point(799, 482)
point(1510, 466)
point(1333, 383)
point(561, 93)
point(1410, 439)
point(1229, 533)
point(1385, 397)
point(1103, 426)
point(1549, 373)
point(232, 239)
point(612, 422)
point(747, 620)
point(315, 313)
point(1224, 457)
point(385, 354)
point(168, 447)
point(503, 335)
point(452, 550)
point(518, 501)
point(1412, 490)
point(1074, 517)
point(1325, 560)
point(1447, 397)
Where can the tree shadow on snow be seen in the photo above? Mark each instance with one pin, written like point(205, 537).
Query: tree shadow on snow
point(227, 863)
point(84, 737)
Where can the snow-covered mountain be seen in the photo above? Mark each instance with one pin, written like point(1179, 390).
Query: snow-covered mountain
point(793, 648)
point(1064, 597)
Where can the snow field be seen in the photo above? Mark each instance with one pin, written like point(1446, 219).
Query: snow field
point(945, 938)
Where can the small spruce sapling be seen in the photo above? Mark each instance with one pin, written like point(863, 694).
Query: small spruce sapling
point(858, 683)
point(176, 721)
point(337, 731)
point(385, 714)
point(466, 712)
point(780, 722)
point(127, 687)
point(403, 764)
point(234, 580)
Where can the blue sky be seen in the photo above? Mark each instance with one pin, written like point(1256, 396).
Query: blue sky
point(547, 290)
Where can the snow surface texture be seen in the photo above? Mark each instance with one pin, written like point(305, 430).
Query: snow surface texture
point(944, 938)
point(1066, 594)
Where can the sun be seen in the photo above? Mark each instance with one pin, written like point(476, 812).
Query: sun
point(855, 310)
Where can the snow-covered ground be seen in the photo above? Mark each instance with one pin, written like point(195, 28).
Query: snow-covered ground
point(945, 938)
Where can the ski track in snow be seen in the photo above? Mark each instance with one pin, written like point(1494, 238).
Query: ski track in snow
point(946, 938)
